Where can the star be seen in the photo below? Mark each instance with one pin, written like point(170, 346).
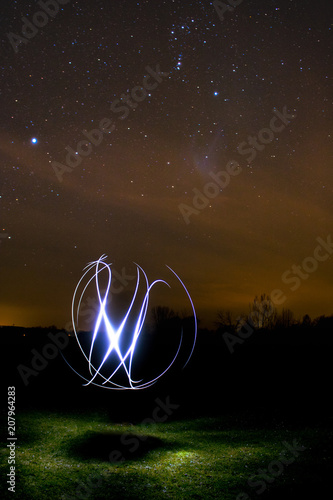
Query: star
point(34, 140)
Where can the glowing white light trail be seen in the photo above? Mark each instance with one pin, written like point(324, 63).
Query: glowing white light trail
point(101, 374)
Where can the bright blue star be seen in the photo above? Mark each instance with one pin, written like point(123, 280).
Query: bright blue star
point(34, 140)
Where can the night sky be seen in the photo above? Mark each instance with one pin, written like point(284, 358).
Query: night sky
point(213, 88)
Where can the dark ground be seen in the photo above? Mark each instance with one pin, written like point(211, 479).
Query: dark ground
point(271, 382)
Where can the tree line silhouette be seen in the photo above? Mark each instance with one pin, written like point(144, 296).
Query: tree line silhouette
point(262, 316)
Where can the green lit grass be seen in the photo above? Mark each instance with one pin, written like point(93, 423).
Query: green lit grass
point(190, 459)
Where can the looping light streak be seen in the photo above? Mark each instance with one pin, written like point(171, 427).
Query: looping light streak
point(114, 335)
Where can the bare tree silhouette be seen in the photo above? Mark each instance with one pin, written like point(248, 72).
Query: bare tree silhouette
point(285, 319)
point(162, 315)
point(263, 314)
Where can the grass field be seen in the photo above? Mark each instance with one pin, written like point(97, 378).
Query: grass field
point(67, 455)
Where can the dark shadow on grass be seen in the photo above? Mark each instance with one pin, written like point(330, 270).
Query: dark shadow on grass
point(112, 446)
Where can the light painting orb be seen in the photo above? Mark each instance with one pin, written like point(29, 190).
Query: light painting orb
point(112, 348)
